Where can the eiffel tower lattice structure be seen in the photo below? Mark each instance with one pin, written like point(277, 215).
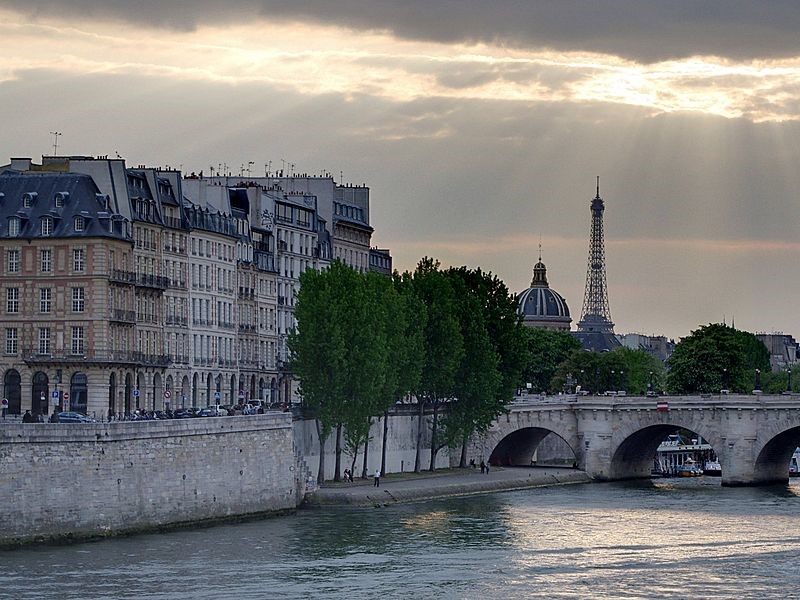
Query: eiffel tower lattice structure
point(596, 324)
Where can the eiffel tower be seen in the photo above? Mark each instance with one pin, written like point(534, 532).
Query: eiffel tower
point(596, 329)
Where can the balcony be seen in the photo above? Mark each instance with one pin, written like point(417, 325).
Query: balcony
point(66, 356)
point(124, 277)
point(246, 327)
point(152, 281)
point(176, 320)
point(247, 293)
point(127, 317)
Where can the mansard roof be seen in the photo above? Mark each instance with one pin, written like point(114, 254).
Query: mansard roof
point(65, 198)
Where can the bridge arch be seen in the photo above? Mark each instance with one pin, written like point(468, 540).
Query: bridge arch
point(517, 449)
point(513, 438)
point(775, 451)
point(634, 444)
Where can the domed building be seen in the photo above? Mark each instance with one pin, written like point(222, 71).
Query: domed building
point(542, 307)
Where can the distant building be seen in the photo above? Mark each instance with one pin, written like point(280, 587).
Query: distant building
point(540, 306)
point(782, 347)
point(596, 329)
point(659, 346)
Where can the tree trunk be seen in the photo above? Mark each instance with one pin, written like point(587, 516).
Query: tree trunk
point(383, 445)
point(353, 464)
point(434, 449)
point(337, 475)
point(463, 462)
point(366, 453)
point(417, 458)
point(321, 470)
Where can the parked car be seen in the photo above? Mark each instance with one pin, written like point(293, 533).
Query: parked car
point(184, 413)
point(74, 417)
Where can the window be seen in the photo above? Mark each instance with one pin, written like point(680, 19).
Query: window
point(12, 341)
point(13, 261)
point(44, 340)
point(13, 227)
point(78, 260)
point(47, 226)
point(78, 346)
point(46, 260)
point(45, 300)
point(12, 300)
point(59, 200)
point(78, 299)
point(79, 223)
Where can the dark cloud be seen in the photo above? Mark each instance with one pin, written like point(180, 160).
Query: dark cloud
point(645, 31)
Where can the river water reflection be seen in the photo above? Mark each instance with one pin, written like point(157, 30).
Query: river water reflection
point(670, 539)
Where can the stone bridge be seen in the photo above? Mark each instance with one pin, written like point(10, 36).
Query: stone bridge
point(614, 438)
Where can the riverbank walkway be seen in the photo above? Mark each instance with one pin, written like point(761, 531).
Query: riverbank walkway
point(411, 487)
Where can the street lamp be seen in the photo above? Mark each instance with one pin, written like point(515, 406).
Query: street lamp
point(758, 380)
point(613, 379)
point(583, 381)
point(622, 380)
point(650, 384)
point(789, 384)
point(724, 378)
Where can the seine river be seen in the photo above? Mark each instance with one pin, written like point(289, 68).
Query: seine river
point(685, 539)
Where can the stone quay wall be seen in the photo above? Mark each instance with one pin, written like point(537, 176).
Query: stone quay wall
point(72, 480)
point(401, 445)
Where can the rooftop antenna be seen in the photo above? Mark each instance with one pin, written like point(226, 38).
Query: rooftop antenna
point(598, 187)
point(540, 247)
point(56, 135)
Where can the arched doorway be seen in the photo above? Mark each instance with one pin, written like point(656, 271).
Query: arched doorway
point(158, 392)
point(137, 395)
point(112, 393)
point(184, 390)
point(128, 393)
point(233, 391)
point(12, 391)
point(273, 390)
point(262, 387)
point(253, 387)
point(170, 402)
point(78, 393)
point(209, 379)
point(195, 389)
point(40, 392)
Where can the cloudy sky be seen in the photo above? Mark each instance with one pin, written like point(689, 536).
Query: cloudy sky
point(479, 126)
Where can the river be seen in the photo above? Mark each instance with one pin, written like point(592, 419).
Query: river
point(668, 539)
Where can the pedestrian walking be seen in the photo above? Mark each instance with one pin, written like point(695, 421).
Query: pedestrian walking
point(487, 468)
point(483, 467)
point(377, 478)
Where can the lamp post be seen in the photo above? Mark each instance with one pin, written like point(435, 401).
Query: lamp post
point(583, 381)
point(613, 379)
point(622, 380)
point(758, 380)
point(724, 378)
point(650, 383)
point(789, 383)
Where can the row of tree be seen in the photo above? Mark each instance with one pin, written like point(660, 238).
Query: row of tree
point(364, 342)
point(451, 340)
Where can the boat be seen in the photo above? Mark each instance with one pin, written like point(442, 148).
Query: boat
point(689, 469)
point(685, 458)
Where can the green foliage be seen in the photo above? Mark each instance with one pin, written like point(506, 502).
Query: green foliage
point(715, 357)
point(622, 369)
point(544, 351)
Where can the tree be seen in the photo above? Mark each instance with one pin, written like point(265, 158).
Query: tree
point(716, 357)
point(319, 347)
point(494, 355)
point(545, 350)
point(442, 341)
point(407, 318)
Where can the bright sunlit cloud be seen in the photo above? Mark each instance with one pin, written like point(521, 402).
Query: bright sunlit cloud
point(313, 59)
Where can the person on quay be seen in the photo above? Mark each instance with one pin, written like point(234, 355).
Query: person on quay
point(377, 478)
point(28, 417)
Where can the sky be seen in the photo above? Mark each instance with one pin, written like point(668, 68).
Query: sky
point(479, 126)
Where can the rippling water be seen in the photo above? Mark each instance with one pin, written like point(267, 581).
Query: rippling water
point(671, 539)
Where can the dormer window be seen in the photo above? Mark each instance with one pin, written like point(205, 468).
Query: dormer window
point(13, 227)
point(28, 199)
point(61, 198)
point(79, 223)
point(47, 226)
